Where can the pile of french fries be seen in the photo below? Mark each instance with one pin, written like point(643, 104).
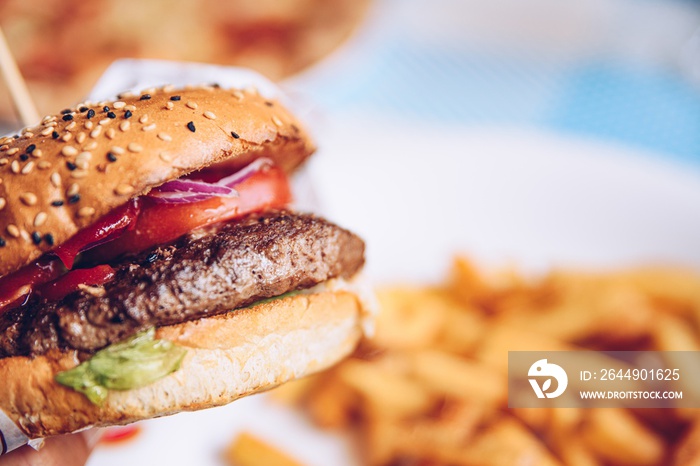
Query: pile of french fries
point(430, 387)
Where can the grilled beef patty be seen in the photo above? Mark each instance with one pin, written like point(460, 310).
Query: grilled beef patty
point(202, 274)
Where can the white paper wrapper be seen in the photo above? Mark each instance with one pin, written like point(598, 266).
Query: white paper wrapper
point(11, 437)
point(136, 75)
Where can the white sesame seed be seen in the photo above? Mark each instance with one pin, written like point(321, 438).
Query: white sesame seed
point(28, 167)
point(169, 105)
point(143, 119)
point(12, 151)
point(43, 164)
point(124, 125)
point(51, 124)
point(37, 153)
point(168, 88)
point(14, 166)
point(3, 202)
point(192, 105)
point(119, 104)
point(29, 199)
point(25, 236)
point(83, 160)
point(117, 150)
point(165, 157)
point(150, 127)
point(4, 161)
point(13, 231)
point(66, 137)
point(124, 189)
point(79, 174)
point(110, 133)
point(71, 125)
point(56, 180)
point(131, 108)
point(164, 137)
point(276, 120)
point(252, 90)
point(28, 135)
point(210, 115)
point(80, 138)
point(4, 147)
point(47, 131)
point(72, 190)
point(95, 133)
point(88, 125)
point(86, 212)
point(104, 121)
point(40, 219)
point(134, 147)
point(69, 151)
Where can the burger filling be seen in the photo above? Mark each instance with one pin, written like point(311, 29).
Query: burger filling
point(191, 248)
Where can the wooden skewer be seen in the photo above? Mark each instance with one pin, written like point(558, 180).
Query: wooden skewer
point(15, 83)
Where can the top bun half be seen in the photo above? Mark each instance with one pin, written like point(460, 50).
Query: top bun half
point(73, 168)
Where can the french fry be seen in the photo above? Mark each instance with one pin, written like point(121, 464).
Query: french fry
point(617, 437)
point(508, 443)
point(687, 452)
point(331, 403)
point(391, 394)
point(248, 450)
point(410, 318)
point(460, 378)
point(432, 390)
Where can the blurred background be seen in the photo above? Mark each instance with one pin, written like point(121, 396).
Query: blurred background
point(543, 133)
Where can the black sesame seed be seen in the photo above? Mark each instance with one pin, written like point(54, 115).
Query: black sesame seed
point(175, 98)
point(111, 115)
point(65, 111)
point(71, 166)
point(90, 113)
point(68, 117)
point(15, 136)
point(48, 237)
point(105, 109)
point(55, 135)
point(268, 103)
point(30, 148)
point(145, 97)
point(23, 157)
point(36, 238)
point(152, 257)
point(2, 243)
point(128, 114)
point(74, 198)
point(57, 203)
point(111, 157)
point(83, 109)
point(191, 127)
point(235, 135)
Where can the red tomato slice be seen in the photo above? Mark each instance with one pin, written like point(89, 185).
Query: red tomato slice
point(162, 223)
point(70, 282)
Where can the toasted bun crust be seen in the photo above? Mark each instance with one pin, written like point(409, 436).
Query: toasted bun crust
point(148, 148)
point(229, 356)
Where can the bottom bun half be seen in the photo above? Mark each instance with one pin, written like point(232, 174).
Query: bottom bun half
point(229, 356)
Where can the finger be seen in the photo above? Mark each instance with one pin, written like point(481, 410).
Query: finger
point(65, 450)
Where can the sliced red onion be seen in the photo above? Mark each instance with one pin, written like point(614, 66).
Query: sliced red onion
point(245, 173)
point(184, 190)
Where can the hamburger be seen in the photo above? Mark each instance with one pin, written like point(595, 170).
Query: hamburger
point(150, 262)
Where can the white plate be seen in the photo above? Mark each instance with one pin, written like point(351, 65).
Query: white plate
point(418, 194)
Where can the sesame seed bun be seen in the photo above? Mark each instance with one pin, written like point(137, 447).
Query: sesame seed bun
point(76, 166)
point(228, 356)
